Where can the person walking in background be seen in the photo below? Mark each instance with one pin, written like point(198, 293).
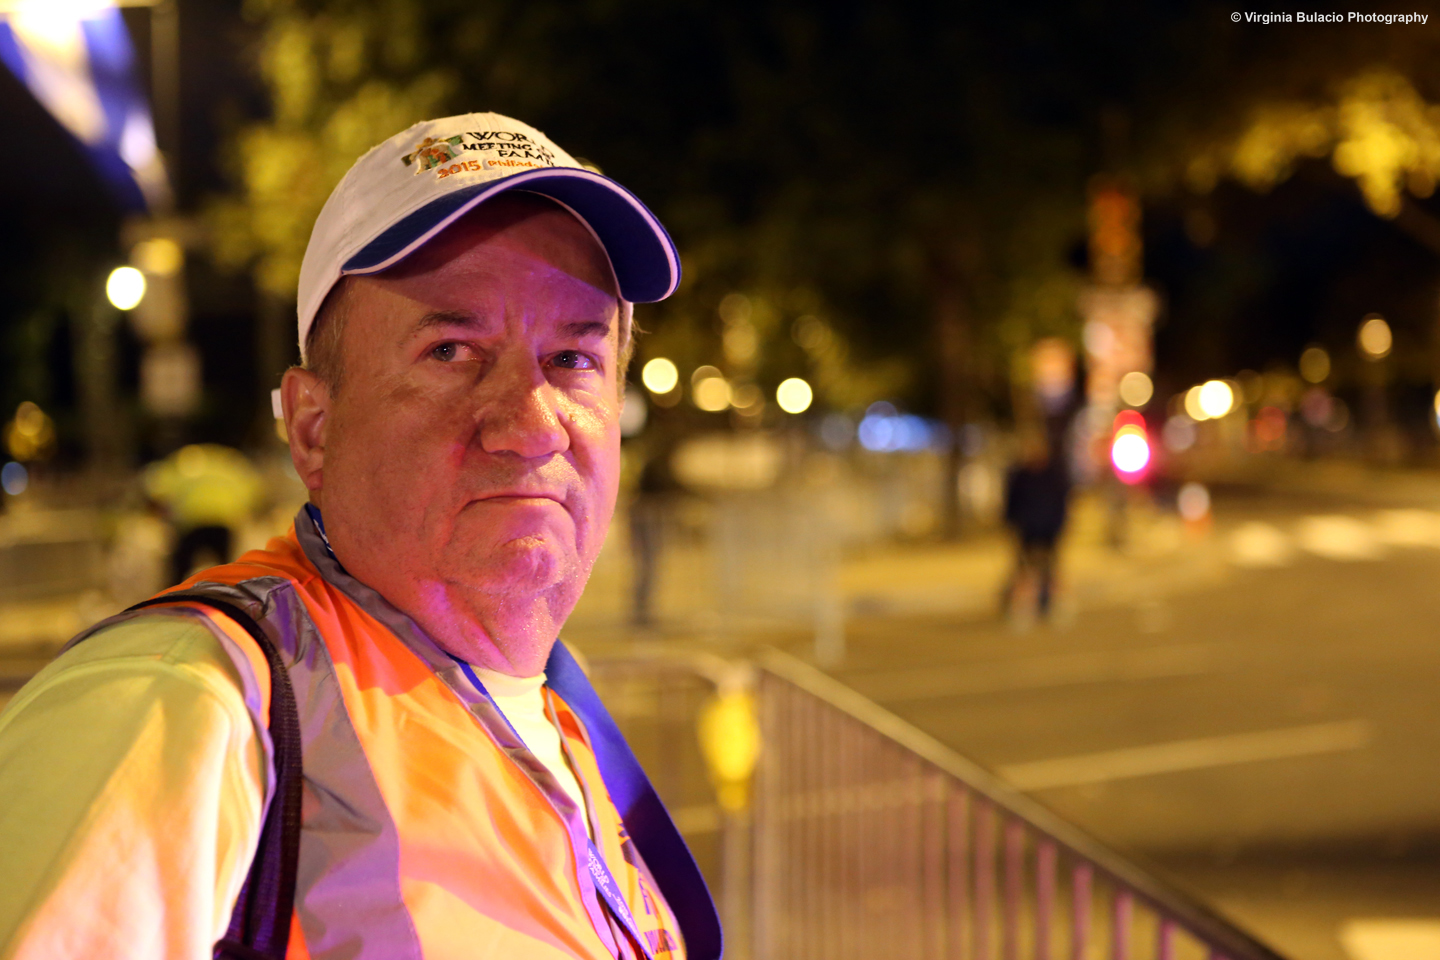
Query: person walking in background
point(655, 493)
point(208, 492)
point(1037, 495)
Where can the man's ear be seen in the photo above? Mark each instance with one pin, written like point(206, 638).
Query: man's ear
point(306, 399)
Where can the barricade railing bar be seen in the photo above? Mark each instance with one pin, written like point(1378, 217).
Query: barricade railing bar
point(866, 837)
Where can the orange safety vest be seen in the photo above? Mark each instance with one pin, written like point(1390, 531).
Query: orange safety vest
point(428, 829)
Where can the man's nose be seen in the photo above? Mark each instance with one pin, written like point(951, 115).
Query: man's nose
point(521, 413)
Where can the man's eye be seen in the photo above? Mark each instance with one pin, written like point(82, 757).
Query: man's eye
point(445, 352)
point(573, 360)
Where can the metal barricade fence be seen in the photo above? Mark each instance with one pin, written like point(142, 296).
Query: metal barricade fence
point(864, 837)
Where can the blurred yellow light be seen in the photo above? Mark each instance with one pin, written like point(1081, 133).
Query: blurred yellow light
point(705, 372)
point(125, 287)
point(1216, 399)
point(747, 397)
point(1375, 337)
point(29, 419)
point(1193, 409)
point(160, 256)
point(31, 435)
point(794, 395)
point(712, 394)
point(1136, 388)
point(660, 375)
point(1315, 365)
point(730, 743)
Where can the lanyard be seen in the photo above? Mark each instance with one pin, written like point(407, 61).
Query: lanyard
point(610, 893)
point(313, 512)
point(600, 875)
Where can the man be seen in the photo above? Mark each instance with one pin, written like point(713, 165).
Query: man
point(465, 329)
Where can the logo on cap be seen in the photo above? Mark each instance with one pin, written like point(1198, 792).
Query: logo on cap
point(499, 148)
point(431, 153)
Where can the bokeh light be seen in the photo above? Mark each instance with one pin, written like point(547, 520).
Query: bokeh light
point(660, 375)
point(125, 288)
point(1136, 388)
point(1193, 502)
point(158, 256)
point(794, 395)
point(14, 478)
point(1178, 434)
point(31, 434)
point(1130, 453)
point(1315, 364)
point(1375, 337)
point(1216, 399)
point(886, 430)
point(747, 398)
point(712, 394)
point(1192, 405)
point(633, 413)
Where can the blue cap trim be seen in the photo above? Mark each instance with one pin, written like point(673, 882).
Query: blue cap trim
point(646, 264)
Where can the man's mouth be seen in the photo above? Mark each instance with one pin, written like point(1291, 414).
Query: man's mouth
point(521, 496)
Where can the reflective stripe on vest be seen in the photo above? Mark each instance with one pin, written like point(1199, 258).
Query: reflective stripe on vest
point(429, 829)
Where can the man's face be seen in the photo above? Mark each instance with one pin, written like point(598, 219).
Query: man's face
point(468, 462)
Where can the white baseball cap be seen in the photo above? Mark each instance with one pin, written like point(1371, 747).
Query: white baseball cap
point(409, 188)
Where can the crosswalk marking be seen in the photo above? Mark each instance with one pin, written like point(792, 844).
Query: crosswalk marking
point(1039, 673)
point(1194, 754)
point(1388, 938)
point(1339, 537)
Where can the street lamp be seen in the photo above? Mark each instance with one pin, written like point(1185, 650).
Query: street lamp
point(794, 395)
point(125, 288)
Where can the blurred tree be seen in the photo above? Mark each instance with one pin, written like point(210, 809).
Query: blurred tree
point(340, 80)
point(1375, 127)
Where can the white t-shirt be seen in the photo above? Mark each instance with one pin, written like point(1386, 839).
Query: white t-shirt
point(522, 702)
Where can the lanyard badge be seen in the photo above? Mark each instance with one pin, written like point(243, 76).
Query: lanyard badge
point(600, 875)
point(612, 897)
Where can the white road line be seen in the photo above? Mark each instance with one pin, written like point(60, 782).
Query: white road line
point(1038, 673)
point(1256, 544)
point(1385, 938)
point(1338, 537)
point(1194, 754)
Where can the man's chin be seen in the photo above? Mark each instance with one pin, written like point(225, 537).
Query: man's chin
point(528, 568)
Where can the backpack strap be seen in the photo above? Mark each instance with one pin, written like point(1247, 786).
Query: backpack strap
point(260, 924)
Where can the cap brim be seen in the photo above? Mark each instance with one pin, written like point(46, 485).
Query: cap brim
point(642, 253)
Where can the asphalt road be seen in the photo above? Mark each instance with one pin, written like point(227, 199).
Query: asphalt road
point(1266, 735)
